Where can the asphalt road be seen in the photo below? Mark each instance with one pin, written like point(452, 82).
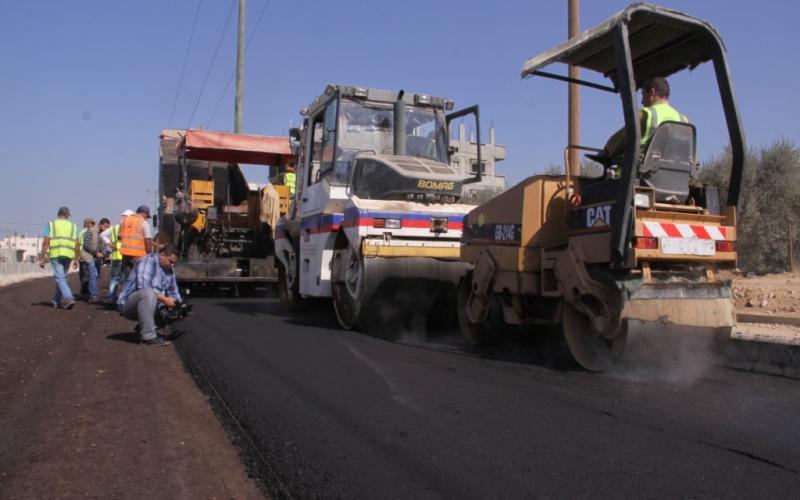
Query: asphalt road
point(409, 414)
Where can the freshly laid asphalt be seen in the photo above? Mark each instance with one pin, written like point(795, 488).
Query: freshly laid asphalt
point(326, 413)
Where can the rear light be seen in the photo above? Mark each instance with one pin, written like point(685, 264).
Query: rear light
point(724, 246)
point(387, 223)
point(645, 243)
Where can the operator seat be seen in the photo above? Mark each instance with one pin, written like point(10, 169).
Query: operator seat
point(669, 162)
point(667, 166)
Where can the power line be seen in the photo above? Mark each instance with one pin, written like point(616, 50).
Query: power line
point(211, 65)
point(230, 80)
point(185, 60)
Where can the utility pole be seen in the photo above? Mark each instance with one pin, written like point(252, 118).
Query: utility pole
point(237, 121)
point(574, 99)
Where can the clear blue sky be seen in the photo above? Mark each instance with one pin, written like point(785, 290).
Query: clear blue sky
point(86, 87)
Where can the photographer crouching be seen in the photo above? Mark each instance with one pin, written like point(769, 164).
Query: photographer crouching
point(150, 289)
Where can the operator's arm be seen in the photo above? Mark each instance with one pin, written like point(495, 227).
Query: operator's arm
point(615, 146)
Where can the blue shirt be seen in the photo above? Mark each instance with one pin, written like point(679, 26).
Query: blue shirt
point(148, 273)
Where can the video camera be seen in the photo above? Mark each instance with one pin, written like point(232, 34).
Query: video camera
point(169, 315)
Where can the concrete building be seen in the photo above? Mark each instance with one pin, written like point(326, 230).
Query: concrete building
point(26, 248)
point(465, 160)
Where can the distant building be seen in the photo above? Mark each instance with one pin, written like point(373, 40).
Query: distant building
point(465, 160)
point(23, 248)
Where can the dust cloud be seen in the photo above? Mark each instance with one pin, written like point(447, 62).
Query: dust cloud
point(668, 353)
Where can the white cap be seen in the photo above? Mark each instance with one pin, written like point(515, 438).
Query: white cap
point(126, 213)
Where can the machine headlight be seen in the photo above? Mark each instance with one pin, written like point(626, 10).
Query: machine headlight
point(387, 223)
point(641, 200)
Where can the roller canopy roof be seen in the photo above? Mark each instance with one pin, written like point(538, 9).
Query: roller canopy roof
point(662, 42)
point(235, 148)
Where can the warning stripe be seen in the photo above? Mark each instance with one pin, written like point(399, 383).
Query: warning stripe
point(691, 231)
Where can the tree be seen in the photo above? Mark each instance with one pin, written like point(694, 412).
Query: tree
point(769, 201)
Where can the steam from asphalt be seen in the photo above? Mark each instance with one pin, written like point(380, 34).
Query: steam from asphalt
point(668, 353)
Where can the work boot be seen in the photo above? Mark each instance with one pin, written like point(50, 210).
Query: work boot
point(156, 342)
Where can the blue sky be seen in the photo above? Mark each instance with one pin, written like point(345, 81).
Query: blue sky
point(87, 86)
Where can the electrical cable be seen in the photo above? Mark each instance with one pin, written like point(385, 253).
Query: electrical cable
point(185, 60)
point(211, 65)
point(230, 80)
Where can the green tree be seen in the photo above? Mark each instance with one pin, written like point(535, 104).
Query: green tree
point(769, 202)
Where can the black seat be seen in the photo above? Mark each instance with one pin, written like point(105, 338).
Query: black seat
point(668, 166)
point(669, 162)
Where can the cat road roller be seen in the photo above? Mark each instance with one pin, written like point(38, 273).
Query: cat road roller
point(643, 242)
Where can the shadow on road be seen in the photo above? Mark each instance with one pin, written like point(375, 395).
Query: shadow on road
point(130, 337)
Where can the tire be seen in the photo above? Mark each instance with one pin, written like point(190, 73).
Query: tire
point(289, 289)
point(348, 287)
point(481, 332)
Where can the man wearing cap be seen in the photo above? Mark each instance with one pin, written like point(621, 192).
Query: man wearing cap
point(61, 246)
point(90, 251)
point(111, 238)
point(136, 239)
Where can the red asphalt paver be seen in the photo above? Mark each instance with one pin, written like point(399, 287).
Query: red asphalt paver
point(87, 412)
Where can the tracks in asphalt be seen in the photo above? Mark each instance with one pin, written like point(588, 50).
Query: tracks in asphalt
point(340, 414)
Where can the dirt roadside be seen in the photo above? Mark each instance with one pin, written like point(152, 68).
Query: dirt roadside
point(86, 412)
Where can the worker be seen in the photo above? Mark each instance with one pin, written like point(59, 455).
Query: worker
point(289, 179)
point(152, 284)
point(90, 249)
point(103, 249)
point(60, 246)
point(111, 238)
point(655, 110)
point(136, 239)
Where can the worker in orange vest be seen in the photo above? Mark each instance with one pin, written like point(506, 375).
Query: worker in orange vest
point(136, 239)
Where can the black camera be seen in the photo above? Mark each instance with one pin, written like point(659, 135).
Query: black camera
point(169, 315)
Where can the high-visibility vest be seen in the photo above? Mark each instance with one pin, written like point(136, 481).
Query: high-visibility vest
point(63, 237)
point(116, 244)
point(655, 116)
point(131, 236)
point(289, 179)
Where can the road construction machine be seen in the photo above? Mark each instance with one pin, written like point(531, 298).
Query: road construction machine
point(376, 211)
point(643, 242)
point(222, 225)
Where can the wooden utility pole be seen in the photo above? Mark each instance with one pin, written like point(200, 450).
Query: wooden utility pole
point(237, 120)
point(574, 100)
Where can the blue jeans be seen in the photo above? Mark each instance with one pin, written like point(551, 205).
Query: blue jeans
point(90, 271)
point(114, 281)
point(60, 267)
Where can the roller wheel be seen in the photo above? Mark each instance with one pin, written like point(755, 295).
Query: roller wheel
point(593, 352)
point(289, 288)
point(478, 331)
point(348, 279)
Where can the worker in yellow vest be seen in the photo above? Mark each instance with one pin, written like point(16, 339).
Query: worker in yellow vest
point(655, 111)
point(290, 179)
point(136, 239)
point(61, 247)
point(111, 238)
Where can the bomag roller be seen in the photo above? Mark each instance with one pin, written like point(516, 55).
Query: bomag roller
point(640, 243)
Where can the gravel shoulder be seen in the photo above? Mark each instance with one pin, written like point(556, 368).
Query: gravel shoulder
point(87, 412)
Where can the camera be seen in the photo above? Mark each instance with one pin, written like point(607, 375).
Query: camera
point(169, 315)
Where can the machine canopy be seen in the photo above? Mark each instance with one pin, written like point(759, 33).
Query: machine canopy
point(235, 148)
point(662, 42)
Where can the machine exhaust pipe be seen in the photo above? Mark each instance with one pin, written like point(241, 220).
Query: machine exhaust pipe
point(400, 125)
